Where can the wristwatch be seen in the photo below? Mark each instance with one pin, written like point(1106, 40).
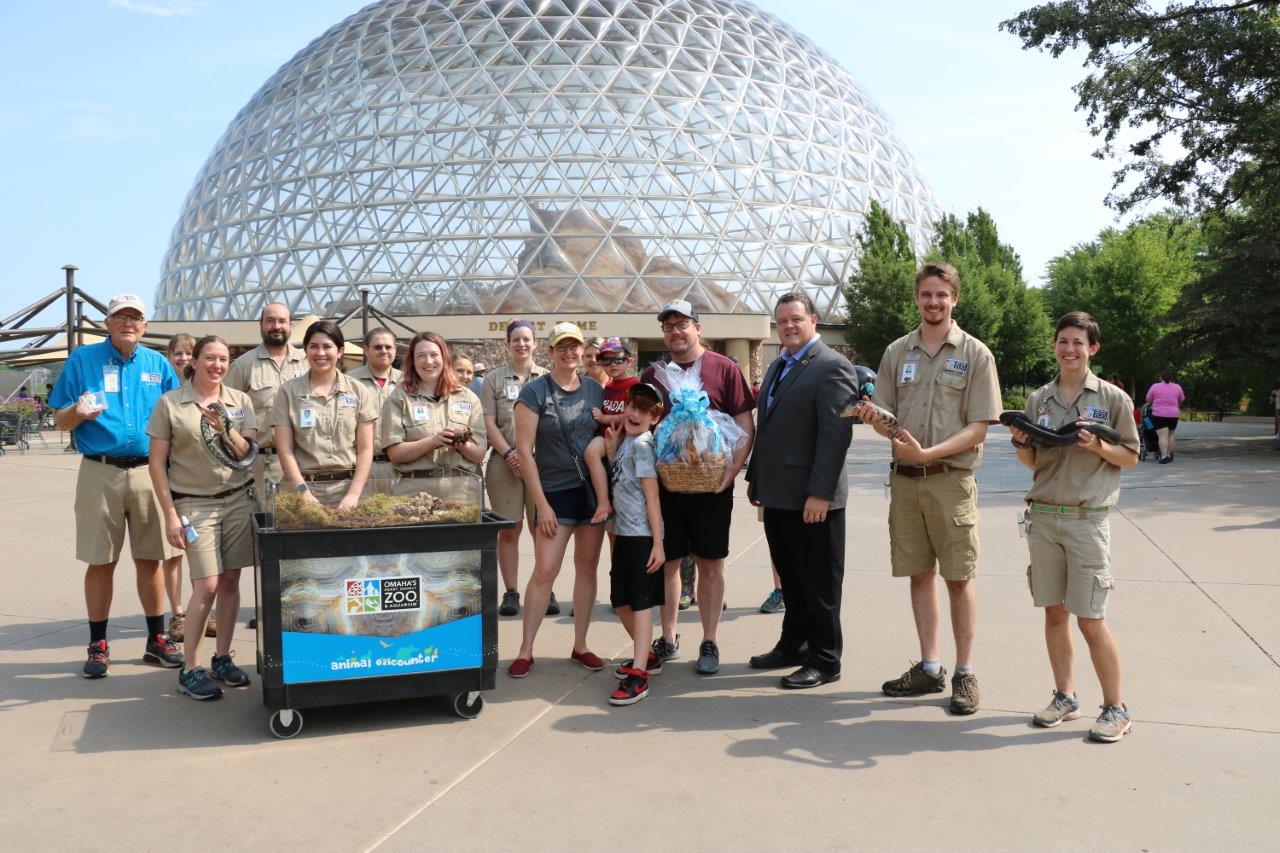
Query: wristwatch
point(507, 455)
point(301, 488)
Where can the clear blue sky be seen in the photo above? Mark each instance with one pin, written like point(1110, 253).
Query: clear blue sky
point(111, 107)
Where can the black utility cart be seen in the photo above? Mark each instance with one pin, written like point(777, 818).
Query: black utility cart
point(351, 615)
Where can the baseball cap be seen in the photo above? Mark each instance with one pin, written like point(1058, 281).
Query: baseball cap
point(615, 344)
point(122, 301)
point(479, 367)
point(560, 331)
point(678, 306)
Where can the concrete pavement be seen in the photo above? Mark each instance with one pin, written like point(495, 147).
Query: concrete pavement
point(704, 763)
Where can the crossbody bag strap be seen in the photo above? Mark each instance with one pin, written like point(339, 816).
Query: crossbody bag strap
point(564, 430)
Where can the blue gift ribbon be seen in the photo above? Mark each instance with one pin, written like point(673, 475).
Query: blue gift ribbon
point(687, 407)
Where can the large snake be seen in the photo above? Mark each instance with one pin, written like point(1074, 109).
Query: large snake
point(216, 443)
point(887, 418)
point(1061, 437)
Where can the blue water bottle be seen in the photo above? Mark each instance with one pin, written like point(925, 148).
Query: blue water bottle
point(187, 530)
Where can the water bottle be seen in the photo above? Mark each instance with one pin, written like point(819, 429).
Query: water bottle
point(187, 530)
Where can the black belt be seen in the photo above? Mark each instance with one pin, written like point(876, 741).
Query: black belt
point(327, 476)
point(118, 461)
point(266, 451)
point(917, 472)
point(225, 494)
point(381, 457)
point(424, 474)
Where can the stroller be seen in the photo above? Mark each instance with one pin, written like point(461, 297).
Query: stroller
point(1150, 442)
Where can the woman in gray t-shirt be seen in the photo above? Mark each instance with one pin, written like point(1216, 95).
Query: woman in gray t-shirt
point(553, 427)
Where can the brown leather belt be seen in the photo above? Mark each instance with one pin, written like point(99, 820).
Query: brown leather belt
point(917, 472)
point(381, 457)
point(228, 493)
point(327, 476)
point(424, 474)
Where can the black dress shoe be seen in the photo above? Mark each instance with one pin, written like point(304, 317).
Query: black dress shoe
point(775, 659)
point(807, 676)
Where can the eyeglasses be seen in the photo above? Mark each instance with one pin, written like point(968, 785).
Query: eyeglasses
point(618, 359)
point(678, 326)
point(128, 319)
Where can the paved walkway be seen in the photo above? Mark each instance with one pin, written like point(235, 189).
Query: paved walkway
point(704, 763)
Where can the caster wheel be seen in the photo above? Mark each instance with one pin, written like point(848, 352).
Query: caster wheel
point(468, 705)
point(286, 723)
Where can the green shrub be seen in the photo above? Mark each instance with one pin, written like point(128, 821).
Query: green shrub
point(1013, 402)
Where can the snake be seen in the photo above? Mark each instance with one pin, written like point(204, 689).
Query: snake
point(1061, 437)
point(217, 447)
point(888, 418)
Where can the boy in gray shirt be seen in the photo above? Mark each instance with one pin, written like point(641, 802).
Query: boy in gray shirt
point(635, 576)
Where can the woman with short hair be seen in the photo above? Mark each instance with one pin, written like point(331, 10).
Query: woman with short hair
point(323, 424)
point(202, 447)
point(554, 425)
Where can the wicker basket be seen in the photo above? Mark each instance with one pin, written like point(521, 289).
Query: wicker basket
point(680, 476)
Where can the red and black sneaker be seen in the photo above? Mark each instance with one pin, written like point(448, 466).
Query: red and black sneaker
point(654, 667)
point(163, 652)
point(632, 689)
point(99, 660)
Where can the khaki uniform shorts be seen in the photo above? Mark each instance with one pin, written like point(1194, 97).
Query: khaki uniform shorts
point(109, 500)
point(933, 521)
point(1071, 562)
point(224, 533)
point(506, 491)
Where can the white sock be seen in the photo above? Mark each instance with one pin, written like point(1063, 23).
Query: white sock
point(933, 667)
point(963, 670)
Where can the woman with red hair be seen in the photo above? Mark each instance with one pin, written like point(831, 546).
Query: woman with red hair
point(432, 422)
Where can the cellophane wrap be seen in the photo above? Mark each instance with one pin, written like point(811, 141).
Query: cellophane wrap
point(691, 432)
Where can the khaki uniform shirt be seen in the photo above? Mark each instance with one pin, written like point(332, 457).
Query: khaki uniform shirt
point(325, 439)
point(192, 468)
point(1073, 476)
point(934, 398)
point(499, 393)
point(256, 374)
point(380, 394)
point(409, 417)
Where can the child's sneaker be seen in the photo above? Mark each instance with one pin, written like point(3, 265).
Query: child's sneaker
point(632, 689)
point(653, 667)
point(196, 684)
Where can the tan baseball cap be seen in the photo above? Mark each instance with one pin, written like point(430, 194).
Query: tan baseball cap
point(560, 331)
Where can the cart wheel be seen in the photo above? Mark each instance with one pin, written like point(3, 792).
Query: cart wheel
point(468, 705)
point(286, 723)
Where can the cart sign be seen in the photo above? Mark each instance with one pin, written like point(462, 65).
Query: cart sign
point(354, 617)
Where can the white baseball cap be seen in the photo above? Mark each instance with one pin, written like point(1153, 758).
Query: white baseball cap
point(480, 368)
point(121, 301)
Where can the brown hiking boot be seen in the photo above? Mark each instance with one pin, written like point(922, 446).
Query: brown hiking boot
point(964, 693)
point(916, 682)
point(177, 627)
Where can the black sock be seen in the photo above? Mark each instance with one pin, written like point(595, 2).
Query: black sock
point(97, 630)
point(155, 625)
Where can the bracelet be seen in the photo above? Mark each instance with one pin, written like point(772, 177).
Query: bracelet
point(507, 455)
point(1015, 443)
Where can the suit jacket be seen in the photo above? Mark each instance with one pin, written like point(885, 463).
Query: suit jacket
point(801, 440)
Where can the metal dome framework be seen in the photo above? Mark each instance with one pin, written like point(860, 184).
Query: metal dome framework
point(541, 156)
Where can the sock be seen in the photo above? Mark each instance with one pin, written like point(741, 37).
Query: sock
point(933, 667)
point(963, 670)
point(97, 630)
point(155, 625)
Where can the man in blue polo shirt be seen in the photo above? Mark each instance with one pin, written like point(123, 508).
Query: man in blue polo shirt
point(104, 397)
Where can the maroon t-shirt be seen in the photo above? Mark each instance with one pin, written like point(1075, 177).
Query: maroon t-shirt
point(615, 395)
point(726, 387)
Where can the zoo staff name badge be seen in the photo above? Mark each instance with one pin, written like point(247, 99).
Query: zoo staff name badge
point(419, 413)
point(1044, 418)
point(909, 371)
point(1096, 413)
point(235, 414)
point(460, 409)
point(513, 392)
point(348, 401)
point(306, 417)
point(153, 378)
point(111, 379)
point(956, 367)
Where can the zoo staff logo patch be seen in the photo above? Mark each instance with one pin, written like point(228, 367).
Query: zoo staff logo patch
point(382, 595)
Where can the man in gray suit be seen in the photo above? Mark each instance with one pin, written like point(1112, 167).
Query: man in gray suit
point(797, 475)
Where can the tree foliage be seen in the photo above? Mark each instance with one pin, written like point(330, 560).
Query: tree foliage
point(880, 294)
point(1187, 93)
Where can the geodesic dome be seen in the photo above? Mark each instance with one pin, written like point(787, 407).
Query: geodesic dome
point(541, 156)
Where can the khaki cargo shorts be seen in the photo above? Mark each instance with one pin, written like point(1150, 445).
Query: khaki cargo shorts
point(506, 491)
point(110, 500)
point(933, 521)
point(224, 533)
point(1071, 562)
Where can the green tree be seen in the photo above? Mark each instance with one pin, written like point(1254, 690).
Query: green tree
point(880, 294)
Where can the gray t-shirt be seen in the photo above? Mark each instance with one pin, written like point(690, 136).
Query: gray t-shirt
point(556, 471)
point(635, 459)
